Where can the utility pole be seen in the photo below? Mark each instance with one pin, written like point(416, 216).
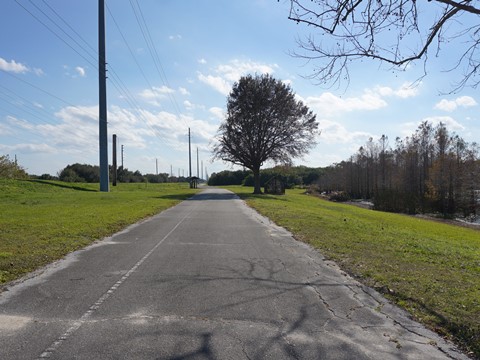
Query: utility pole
point(198, 167)
point(102, 95)
point(202, 169)
point(122, 157)
point(189, 160)
point(114, 160)
point(156, 166)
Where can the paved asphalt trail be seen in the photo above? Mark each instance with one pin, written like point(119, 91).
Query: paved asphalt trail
point(207, 279)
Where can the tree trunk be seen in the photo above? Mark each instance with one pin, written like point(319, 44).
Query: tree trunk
point(256, 181)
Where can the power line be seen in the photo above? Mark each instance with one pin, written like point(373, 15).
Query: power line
point(48, 93)
point(62, 30)
point(129, 48)
point(154, 54)
point(56, 34)
point(71, 28)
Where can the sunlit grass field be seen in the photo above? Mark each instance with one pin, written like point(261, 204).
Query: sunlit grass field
point(429, 268)
point(41, 221)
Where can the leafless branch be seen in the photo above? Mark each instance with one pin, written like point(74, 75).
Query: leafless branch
point(362, 29)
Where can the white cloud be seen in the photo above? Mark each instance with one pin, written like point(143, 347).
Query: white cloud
point(448, 121)
point(227, 74)
point(466, 101)
point(409, 128)
point(236, 69)
point(217, 112)
point(13, 66)
point(155, 94)
point(405, 91)
point(29, 148)
point(38, 72)
point(23, 124)
point(328, 104)
point(335, 133)
point(175, 37)
point(451, 105)
point(173, 129)
point(202, 61)
point(183, 91)
point(80, 71)
point(216, 82)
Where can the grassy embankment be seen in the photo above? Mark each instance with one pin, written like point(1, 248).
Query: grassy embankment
point(41, 221)
point(429, 268)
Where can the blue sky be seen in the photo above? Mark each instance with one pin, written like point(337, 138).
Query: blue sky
point(49, 96)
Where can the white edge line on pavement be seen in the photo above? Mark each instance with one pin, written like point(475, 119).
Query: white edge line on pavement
point(76, 325)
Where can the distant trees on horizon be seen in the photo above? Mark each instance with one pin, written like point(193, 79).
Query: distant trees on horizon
point(91, 174)
point(432, 170)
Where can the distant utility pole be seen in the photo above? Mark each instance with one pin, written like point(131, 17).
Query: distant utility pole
point(122, 157)
point(189, 160)
point(114, 160)
point(102, 95)
point(202, 169)
point(156, 166)
point(198, 167)
point(171, 170)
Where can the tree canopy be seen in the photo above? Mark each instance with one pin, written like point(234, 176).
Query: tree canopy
point(264, 121)
point(395, 32)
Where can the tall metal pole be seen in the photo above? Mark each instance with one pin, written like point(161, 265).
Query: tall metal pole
point(102, 95)
point(114, 160)
point(198, 166)
point(189, 160)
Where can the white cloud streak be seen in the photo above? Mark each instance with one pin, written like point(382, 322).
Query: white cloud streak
point(328, 104)
point(451, 105)
point(226, 74)
point(13, 66)
point(156, 94)
point(80, 71)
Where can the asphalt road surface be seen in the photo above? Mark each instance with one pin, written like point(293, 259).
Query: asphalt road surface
point(207, 279)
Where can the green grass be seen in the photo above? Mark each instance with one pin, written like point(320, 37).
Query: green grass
point(41, 221)
point(429, 268)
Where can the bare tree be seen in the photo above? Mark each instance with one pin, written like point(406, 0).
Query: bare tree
point(395, 32)
point(264, 122)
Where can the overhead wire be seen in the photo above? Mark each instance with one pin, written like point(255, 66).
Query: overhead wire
point(56, 34)
point(115, 79)
point(28, 107)
point(71, 28)
point(120, 86)
point(123, 89)
point(154, 54)
point(48, 93)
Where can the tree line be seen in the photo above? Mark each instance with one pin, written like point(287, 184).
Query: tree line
point(91, 174)
point(9, 169)
point(291, 176)
point(433, 170)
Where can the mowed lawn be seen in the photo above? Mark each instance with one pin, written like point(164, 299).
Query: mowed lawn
point(429, 268)
point(41, 221)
